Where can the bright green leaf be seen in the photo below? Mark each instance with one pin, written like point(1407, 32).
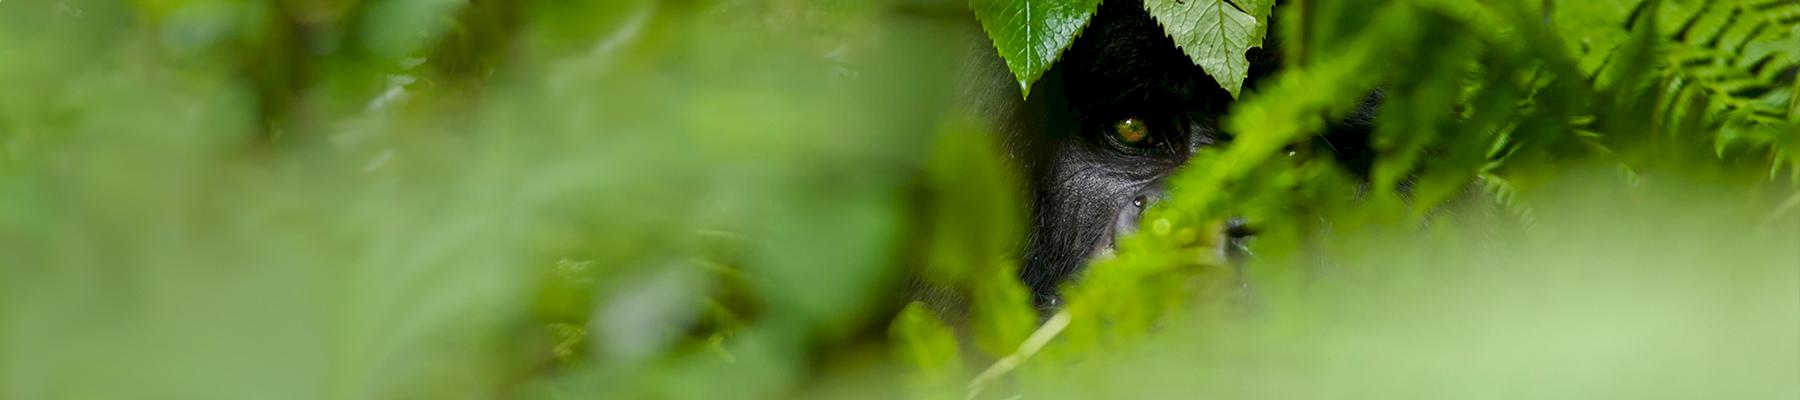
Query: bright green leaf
point(1214, 34)
point(1794, 101)
point(1031, 34)
point(929, 347)
point(1003, 313)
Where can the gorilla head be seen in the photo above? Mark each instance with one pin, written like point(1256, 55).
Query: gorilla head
point(1122, 111)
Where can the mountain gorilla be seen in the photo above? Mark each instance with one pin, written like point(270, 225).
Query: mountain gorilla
point(1123, 110)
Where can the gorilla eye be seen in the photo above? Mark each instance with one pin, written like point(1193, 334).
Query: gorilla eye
point(1132, 131)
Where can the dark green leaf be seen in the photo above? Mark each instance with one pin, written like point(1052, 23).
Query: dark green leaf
point(1031, 34)
point(1212, 33)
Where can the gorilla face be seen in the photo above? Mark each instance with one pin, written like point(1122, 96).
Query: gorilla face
point(1120, 113)
point(1135, 108)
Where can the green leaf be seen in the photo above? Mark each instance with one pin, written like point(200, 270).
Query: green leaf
point(1794, 98)
point(929, 347)
point(1214, 34)
point(1259, 9)
point(1032, 34)
point(1003, 314)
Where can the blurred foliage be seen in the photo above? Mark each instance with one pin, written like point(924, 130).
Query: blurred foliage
point(740, 199)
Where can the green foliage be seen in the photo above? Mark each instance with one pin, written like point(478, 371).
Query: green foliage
point(1495, 97)
point(743, 199)
point(1725, 58)
point(1215, 33)
point(930, 347)
point(971, 221)
point(1031, 34)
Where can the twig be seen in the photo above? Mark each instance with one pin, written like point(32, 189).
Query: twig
point(1786, 206)
point(1030, 347)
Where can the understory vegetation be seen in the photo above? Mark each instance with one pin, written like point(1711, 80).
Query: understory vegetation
point(733, 199)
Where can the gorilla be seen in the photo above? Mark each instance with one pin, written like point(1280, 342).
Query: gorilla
point(1102, 131)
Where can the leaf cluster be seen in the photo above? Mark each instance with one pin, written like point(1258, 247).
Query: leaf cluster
point(1485, 104)
point(1031, 34)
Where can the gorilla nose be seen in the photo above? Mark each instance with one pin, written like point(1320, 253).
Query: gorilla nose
point(1232, 238)
point(1132, 212)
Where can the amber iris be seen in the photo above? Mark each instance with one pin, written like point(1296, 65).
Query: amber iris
point(1131, 131)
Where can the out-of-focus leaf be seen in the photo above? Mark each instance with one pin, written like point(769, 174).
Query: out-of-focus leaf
point(973, 221)
point(930, 350)
point(646, 314)
point(401, 28)
point(973, 214)
point(1794, 94)
point(1418, 106)
point(1002, 312)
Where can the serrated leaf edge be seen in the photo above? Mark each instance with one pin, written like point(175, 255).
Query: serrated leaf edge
point(1056, 56)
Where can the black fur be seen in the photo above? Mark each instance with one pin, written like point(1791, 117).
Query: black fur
point(1082, 185)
